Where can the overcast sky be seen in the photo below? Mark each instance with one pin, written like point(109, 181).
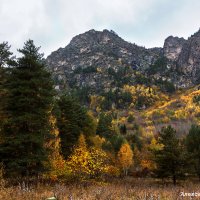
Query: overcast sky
point(53, 23)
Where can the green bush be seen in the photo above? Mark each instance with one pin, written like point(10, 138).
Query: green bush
point(131, 118)
point(196, 99)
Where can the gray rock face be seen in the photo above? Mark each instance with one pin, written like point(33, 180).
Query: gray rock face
point(101, 60)
point(173, 47)
point(189, 58)
point(87, 59)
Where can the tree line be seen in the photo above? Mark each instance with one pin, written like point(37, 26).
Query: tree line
point(43, 133)
point(31, 114)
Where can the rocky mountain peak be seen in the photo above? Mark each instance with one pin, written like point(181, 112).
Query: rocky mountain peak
point(196, 34)
point(99, 60)
point(91, 56)
point(189, 58)
point(173, 47)
point(93, 37)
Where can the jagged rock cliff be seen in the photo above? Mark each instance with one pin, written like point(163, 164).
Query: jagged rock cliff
point(189, 58)
point(102, 60)
point(185, 56)
point(91, 58)
point(173, 47)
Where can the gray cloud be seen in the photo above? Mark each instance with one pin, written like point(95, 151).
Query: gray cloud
point(52, 23)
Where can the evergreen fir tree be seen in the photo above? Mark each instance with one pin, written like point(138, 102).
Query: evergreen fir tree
point(123, 129)
point(193, 148)
point(29, 106)
point(5, 62)
point(5, 54)
point(104, 127)
point(73, 121)
point(170, 158)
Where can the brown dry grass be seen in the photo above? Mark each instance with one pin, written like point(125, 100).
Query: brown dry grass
point(125, 189)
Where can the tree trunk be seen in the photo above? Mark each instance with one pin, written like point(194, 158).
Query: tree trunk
point(199, 177)
point(198, 167)
point(174, 179)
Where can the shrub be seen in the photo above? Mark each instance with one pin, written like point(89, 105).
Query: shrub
point(131, 118)
point(87, 163)
point(196, 99)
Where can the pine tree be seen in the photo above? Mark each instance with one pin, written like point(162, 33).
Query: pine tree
point(117, 140)
point(5, 62)
point(170, 158)
point(104, 127)
point(193, 148)
point(5, 54)
point(123, 129)
point(29, 106)
point(73, 121)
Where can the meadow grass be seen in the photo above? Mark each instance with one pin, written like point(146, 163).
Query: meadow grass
point(120, 189)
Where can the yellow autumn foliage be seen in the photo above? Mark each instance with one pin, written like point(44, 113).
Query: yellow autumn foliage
point(97, 141)
point(58, 167)
point(87, 163)
point(95, 101)
point(155, 145)
point(148, 95)
point(125, 157)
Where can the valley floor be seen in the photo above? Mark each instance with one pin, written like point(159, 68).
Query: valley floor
point(121, 189)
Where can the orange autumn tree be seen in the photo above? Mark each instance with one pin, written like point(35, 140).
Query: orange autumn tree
point(148, 156)
point(103, 163)
point(125, 157)
point(78, 162)
point(58, 167)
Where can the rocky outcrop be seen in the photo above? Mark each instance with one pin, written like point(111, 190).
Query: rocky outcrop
point(86, 61)
point(173, 47)
point(101, 60)
point(189, 58)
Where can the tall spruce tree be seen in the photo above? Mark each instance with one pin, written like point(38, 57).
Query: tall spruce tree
point(5, 54)
point(5, 62)
point(73, 121)
point(104, 127)
point(170, 158)
point(193, 148)
point(29, 105)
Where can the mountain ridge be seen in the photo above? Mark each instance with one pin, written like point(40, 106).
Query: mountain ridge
point(89, 57)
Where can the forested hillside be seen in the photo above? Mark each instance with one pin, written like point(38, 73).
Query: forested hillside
point(134, 127)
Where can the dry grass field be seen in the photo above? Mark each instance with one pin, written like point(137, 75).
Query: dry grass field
point(125, 189)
